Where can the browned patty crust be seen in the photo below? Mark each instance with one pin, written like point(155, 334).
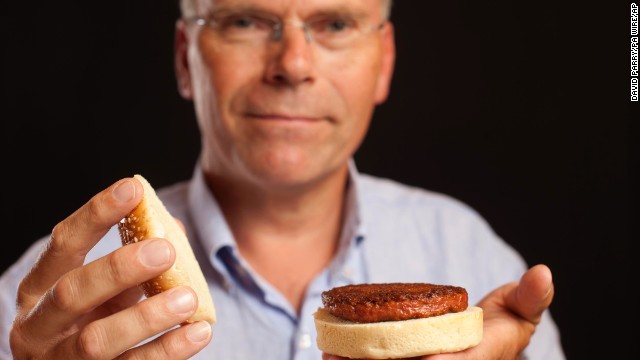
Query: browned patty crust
point(366, 303)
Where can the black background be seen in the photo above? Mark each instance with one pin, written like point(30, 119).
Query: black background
point(520, 109)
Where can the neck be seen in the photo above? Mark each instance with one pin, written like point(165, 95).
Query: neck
point(288, 236)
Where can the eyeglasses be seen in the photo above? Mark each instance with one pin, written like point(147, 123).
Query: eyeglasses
point(331, 32)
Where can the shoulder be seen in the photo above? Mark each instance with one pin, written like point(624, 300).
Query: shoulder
point(390, 207)
point(391, 194)
point(447, 240)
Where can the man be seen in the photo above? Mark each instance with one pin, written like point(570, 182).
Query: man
point(276, 211)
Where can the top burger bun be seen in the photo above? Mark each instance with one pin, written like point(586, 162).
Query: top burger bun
point(150, 219)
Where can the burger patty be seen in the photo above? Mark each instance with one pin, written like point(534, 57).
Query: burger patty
point(367, 303)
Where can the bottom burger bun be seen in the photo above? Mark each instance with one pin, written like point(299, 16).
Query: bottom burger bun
point(398, 339)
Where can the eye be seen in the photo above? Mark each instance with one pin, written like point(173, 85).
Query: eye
point(336, 25)
point(237, 22)
point(241, 22)
point(333, 26)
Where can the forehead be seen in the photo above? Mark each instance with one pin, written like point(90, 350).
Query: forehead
point(298, 7)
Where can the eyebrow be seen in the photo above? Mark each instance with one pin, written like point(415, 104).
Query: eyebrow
point(329, 11)
point(341, 10)
point(237, 9)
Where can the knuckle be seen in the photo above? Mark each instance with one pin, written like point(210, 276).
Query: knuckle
point(119, 267)
point(147, 314)
point(93, 209)
point(91, 342)
point(170, 345)
point(17, 341)
point(93, 213)
point(132, 355)
point(57, 243)
point(167, 348)
point(60, 243)
point(64, 294)
point(90, 216)
point(23, 295)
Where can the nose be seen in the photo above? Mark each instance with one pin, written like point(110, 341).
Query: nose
point(291, 57)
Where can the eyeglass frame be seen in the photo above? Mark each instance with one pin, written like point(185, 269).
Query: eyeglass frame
point(277, 28)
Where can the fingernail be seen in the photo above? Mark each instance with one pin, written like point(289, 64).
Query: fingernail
point(180, 301)
point(154, 253)
point(124, 191)
point(199, 331)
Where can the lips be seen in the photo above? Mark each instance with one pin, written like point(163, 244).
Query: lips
point(294, 107)
point(285, 117)
point(290, 127)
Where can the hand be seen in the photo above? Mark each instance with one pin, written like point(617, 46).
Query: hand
point(68, 311)
point(511, 314)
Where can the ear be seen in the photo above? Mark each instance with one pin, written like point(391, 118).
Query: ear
point(181, 61)
point(388, 63)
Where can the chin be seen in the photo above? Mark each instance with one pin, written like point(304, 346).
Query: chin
point(288, 174)
point(283, 176)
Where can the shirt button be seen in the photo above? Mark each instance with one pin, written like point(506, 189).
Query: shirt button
point(304, 342)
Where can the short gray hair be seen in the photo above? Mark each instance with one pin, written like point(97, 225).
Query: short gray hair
point(386, 9)
point(188, 8)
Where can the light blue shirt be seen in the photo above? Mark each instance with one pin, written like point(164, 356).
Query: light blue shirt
point(392, 233)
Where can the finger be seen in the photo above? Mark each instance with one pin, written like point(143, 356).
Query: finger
point(533, 294)
point(109, 337)
point(121, 301)
point(181, 343)
point(118, 303)
point(326, 356)
point(83, 289)
point(72, 238)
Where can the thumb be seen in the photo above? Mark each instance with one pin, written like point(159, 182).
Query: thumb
point(533, 294)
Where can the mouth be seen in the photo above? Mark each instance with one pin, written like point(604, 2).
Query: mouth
point(285, 117)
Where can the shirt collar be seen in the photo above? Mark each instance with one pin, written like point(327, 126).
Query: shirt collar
point(214, 233)
point(210, 225)
point(353, 231)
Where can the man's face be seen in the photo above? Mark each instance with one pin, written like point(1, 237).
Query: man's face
point(287, 111)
